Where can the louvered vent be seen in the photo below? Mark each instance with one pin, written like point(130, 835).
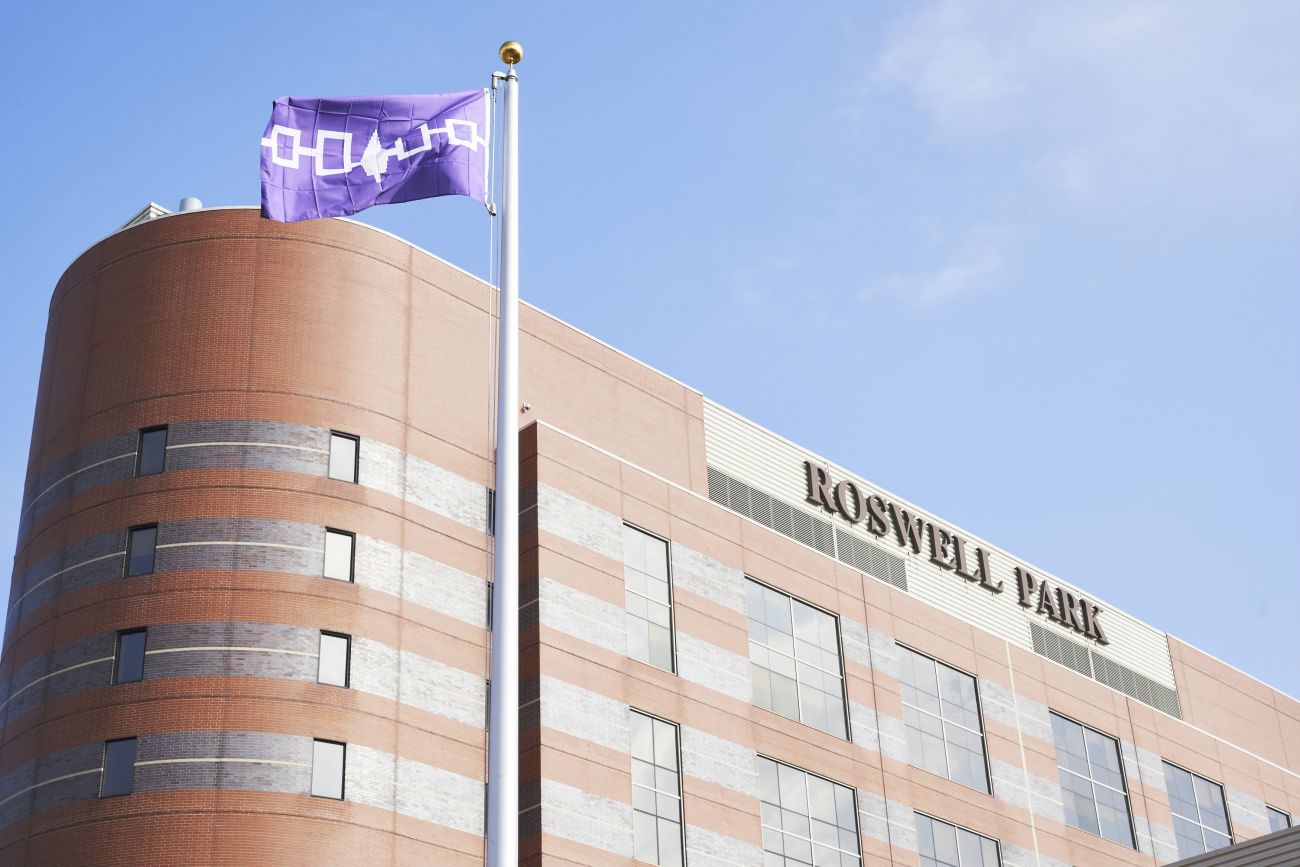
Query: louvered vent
point(1139, 686)
point(1069, 653)
point(770, 512)
point(1105, 670)
point(804, 527)
point(869, 558)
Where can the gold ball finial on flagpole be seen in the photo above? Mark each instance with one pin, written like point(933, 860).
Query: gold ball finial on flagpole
point(511, 52)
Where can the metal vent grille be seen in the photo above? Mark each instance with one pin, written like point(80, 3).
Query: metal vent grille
point(1139, 686)
point(1060, 649)
point(1105, 670)
point(770, 512)
point(868, 558)
point(804, 527)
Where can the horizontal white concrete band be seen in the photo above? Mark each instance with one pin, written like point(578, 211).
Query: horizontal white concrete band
point(179, 761)
point(380, 466)
point(375, 668)
point(705, 848)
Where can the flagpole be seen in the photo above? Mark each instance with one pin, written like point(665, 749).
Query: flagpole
point(503, 719)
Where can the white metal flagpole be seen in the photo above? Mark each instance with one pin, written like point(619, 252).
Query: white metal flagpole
point(503, 718)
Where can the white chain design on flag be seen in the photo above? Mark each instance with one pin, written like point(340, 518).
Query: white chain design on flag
point(374, 160)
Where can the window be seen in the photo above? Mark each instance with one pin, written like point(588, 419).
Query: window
point(794, 654)
point(128, 663)
point(338, 554)
point(941, 712)
point(656, 791)
point(343, 456)
point(140, 547)
point(119, 768)
point(944, 845)
point(1277, 820)
point(1200, 817)
point(1092, 781)
point(327, 761)
point(649, 598)
point(151, 452)
point(806, 819)
point(335, 659)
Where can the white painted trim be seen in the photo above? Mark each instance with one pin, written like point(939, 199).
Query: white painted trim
point(49, 578)
point(50, 781)
point(241, 544)
point(45, 677)
point(220, 759)
point(250, 444)
point(54, 485)
point(231, 648)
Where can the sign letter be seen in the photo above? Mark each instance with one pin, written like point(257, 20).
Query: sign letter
point(845, 493)
point(1028, 585)
point(877, 517)
point(911, 529)
point(940, 547)
point(818, 484)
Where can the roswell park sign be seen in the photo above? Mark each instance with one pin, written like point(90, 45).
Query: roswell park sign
point(949, 550)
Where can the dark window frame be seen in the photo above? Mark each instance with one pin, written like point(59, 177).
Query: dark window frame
point(681, 794)
point(347, 660)
point(853, 793)
point(343, 768)
point(117, 653)
point(672, 600)
point(356, 457)
point(1290, 820)
point(130, 550)
point(997, 843)
point(1223, 795)
point(139, 448)
point(103, 774)
point(979, 711)
point(352, 555)
point(839, 650)
point(1123, 777)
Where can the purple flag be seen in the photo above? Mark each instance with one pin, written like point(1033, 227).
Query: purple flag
point(334, 157)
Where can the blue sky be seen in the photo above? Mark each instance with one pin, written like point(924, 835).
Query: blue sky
point(1035, 267)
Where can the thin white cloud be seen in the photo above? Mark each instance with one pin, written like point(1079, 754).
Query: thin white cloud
point(1165, 105)
point(755, 286)
point(978, 264)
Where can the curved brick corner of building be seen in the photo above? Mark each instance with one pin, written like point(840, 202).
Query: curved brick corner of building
point(254, 344)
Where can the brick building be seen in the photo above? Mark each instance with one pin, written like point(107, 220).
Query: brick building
point(248, 621)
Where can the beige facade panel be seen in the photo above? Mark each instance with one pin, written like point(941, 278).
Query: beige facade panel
point(758, 457)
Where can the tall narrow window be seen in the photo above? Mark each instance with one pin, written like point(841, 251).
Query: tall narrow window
point(328, 759)
point(119, 768)
point(806, 819)
point(649, 598)
point(338, 554)
point(941, 713)
point(794, 654)
point(943, 845)
point(1092, 781)
point(1200, 815)
point(656, 792)
point(343, 456)
point(141, 544)
point(1277, 819)
point(151, 453)
point(128, 662)
point(335, 656)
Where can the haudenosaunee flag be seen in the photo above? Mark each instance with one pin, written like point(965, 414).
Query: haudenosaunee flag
point(334, 157)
